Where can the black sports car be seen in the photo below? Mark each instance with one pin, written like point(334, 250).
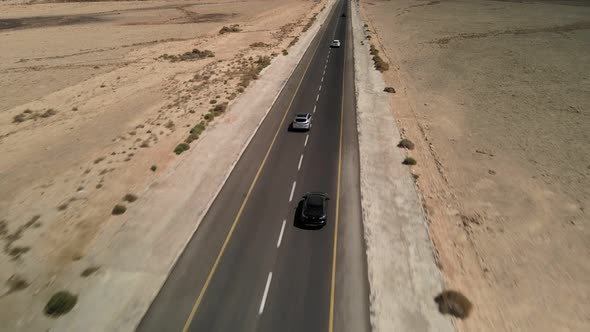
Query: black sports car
point(313, 209)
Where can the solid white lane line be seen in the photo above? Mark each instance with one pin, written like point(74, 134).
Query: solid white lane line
point(281, 235)
point(317, 98)
point(306, 137)
point(320, 89)
point(292, 191)
point(265, 293)
point(300, 160)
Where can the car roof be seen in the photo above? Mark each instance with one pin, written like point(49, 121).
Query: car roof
point(315, 200)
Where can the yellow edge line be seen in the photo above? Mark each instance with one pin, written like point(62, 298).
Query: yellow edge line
point(333, 287)
point(245, 201)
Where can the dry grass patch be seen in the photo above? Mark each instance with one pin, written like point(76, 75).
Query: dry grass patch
point(15, 283)
point(380, 64)
point(231, 28)
point(16, 252)
point(89, 271)
point(33, 115)
point(119, 209)
point(130, 198)
point(169, 124)
point(251, 73)
point(293, 42)
point(309, 23)
point(259, 44)
point(195, 54)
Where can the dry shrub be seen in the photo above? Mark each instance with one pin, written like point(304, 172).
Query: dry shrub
point(60, 303)
point(409, 161)
point(119, 209)
point(231, 28)
point(195, 54)
point(380, 65)
point(406, 144)
point(259, 44)
point(453, 303)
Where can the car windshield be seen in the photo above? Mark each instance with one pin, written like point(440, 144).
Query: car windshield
point(300, 120)
point(314, 205)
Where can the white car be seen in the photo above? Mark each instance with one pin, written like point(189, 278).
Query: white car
point(302, 121)
point(335, 43)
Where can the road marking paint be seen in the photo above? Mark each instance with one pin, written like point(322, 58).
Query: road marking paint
point(336, 219)
point(320, 89)
point(191, 316)
point(324, 73)
point(314, 107)
point(300, 160)
point(265, 293)
point(281, 235)
point(323, 77)
point(306, 137)
point(292, 191)
point(317, 98)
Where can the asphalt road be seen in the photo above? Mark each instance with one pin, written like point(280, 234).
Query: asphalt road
point(248, 268)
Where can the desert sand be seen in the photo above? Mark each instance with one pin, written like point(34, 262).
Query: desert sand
point(94, 98)
point(496, 97)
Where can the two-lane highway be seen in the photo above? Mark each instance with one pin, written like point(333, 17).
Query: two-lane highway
point(248, 268)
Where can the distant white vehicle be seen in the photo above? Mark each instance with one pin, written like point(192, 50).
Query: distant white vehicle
point(335, 43)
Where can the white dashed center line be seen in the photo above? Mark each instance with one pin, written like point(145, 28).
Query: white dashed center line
point(314, 107)
point(320, 89)
point(281, 235)
point(300, 160)
point(323, 77)
point(317, 98)
point(265, 294)
point(306, 138)
point(292, 191)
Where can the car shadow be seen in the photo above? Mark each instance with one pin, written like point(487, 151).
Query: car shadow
point(297, 219)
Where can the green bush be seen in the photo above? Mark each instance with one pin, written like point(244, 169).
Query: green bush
point(409, 161)
point(130, 198)
point(119, 209)
point(180, 148)
point(60, 303)
point(406, 144)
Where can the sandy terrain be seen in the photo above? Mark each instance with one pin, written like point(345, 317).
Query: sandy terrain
point(496, 96)
point(91, 109)
point(402, 272)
